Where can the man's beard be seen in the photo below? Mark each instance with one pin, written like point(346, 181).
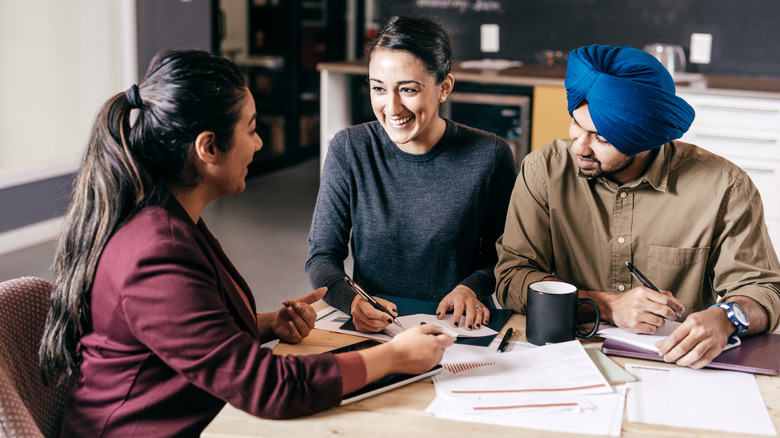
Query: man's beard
point(608, 173)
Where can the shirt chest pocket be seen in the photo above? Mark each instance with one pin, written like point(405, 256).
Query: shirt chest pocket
point(679, 270)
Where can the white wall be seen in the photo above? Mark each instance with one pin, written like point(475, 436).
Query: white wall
point(60, 61)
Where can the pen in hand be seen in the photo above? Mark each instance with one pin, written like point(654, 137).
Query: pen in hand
point(358, 290)
point(644, 281)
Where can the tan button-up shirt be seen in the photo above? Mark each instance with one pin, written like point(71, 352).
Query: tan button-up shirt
point(693, 224)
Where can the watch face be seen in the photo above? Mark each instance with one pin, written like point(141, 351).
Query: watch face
point(739, 312)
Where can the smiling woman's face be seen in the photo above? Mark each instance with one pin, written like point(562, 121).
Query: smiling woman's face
point(405, 99)
point(245, 142)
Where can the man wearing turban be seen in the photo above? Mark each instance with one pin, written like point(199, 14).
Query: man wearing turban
point(624, 189)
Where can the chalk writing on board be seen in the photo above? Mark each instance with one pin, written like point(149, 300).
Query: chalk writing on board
point(461, 5)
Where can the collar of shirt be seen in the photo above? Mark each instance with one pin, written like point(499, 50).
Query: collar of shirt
point(657, 174)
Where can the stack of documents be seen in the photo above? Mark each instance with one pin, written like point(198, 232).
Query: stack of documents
point(556, 387)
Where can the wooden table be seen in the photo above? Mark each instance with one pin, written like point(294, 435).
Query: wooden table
point(400, 413)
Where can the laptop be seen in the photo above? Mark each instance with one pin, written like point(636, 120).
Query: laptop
point(757, 355)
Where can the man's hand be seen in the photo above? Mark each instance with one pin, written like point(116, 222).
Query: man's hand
point(640, 310)
point(704, 335)
point(698, 340)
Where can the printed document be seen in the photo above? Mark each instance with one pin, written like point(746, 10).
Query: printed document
point(727, 401)
point(561, 368)
point(554, 387)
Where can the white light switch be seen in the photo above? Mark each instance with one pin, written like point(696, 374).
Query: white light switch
point(489, 37)
point(701, 48)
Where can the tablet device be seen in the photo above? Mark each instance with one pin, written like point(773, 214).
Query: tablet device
point(386, 383)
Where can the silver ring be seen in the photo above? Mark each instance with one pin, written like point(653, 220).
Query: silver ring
point(477, 307)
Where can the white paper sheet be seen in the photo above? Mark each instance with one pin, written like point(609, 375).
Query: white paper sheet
point(701, 399)
point(331, 319)
point(445, 323)
point(554, 387)
point(647, 341)
point(604, 418)
point(563, 367)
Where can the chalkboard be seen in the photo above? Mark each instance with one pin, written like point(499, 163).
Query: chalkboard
point(745, 33)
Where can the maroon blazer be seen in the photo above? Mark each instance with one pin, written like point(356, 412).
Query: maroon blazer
point(172, 340)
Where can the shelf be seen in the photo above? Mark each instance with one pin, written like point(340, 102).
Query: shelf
point(267, 62)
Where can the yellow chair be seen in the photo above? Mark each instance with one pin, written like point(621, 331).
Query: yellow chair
point(28, 408)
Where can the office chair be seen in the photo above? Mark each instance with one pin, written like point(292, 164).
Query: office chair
point(28, 408)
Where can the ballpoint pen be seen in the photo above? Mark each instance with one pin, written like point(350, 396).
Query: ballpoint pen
point(358, 290)
point(643, 280)
point(505, 340)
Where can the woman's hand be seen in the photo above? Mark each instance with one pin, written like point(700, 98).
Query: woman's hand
point(368, 319)
point(463, 300)
point(418, 349)
point(413, 351)
point(295, 319)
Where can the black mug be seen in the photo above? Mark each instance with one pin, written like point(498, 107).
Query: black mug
point(551, 313)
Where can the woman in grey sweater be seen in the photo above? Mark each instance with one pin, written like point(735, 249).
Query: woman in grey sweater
point(424, 198)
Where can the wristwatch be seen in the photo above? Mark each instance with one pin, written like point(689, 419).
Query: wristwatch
point(736, 315)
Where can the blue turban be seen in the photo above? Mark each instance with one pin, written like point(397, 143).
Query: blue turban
point(630, 95)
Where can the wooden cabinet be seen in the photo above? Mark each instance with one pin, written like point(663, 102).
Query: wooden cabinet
point(550, 118)
point(746, 131)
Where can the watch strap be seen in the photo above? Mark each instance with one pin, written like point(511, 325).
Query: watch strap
point(729, 308)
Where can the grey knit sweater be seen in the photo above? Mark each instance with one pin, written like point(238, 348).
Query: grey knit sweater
point(420, 224)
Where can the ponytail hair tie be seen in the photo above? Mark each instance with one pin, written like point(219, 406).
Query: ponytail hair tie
point(133, 97)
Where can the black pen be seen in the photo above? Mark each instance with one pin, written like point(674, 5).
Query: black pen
point(505, 340)
point(643, 280)
point(358, 290)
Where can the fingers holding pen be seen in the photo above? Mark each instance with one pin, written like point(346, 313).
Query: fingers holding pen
point(368, 319)
point(391, 307)
point(674, 304)
point(662, 303)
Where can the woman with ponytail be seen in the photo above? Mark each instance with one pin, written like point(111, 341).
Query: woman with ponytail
point(150, 322)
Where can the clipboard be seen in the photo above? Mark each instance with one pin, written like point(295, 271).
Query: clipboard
point(757, 355)
point(384, 384)
point(411, 306)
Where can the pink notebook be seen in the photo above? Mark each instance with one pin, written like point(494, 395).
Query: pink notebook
point(757, 354)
